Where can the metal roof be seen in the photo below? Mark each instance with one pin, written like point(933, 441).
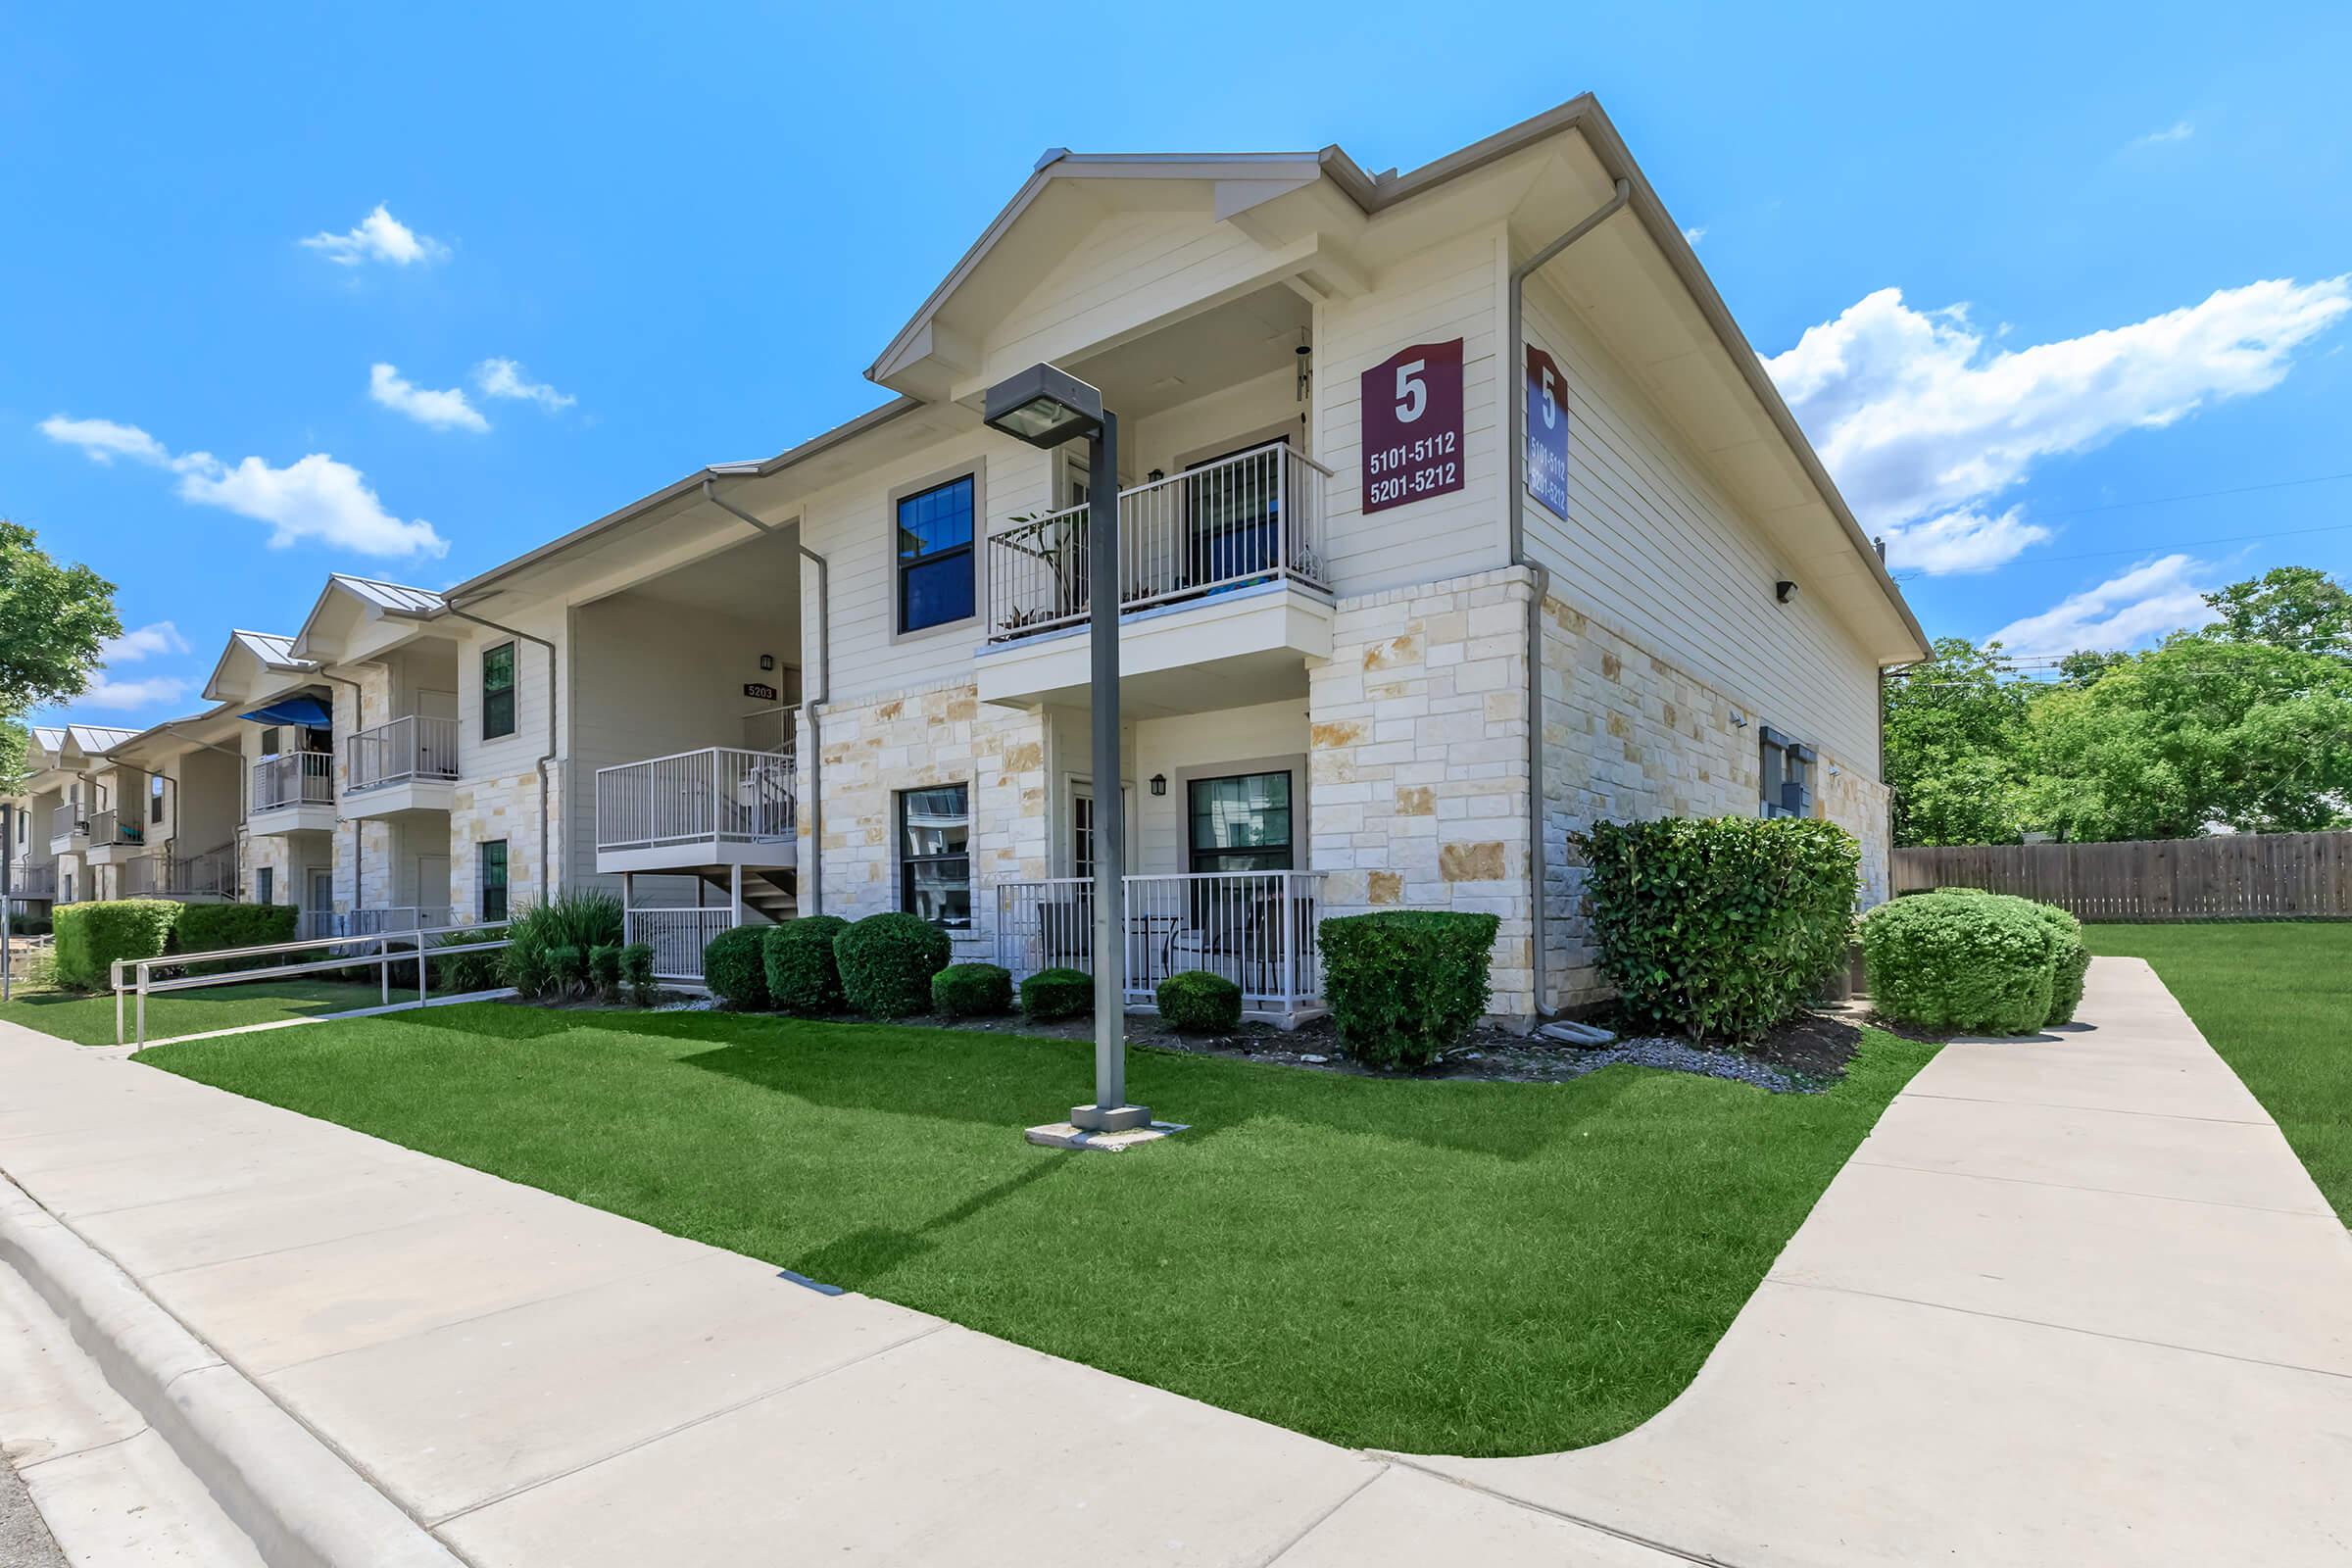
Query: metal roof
point(95, 739)
point(49, 737)
point(272, 650)
point(390, 594)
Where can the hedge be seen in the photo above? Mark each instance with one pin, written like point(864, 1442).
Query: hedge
point(91, 936)
point(1405, 984)
point(972, 991)
point(1719, 927)
point(2070, 960)
point(1053, 993)
point(735, 968)
point(1196, 1002)
point(803, 978)
point(209, 927)
point(887, 962)
point(1961, 963)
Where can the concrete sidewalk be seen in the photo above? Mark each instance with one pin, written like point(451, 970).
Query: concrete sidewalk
point(2073, 1301)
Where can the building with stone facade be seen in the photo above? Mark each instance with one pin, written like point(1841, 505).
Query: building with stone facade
point(1455, 514)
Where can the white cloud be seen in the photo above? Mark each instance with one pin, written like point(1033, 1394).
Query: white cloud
point(2178, 131)
point(504, 378)
point(159, 637)
point(378, 237)
point(443, 411)
point(313, 498)
point(1923, 423)
point(1695, 232)
point(104, 692)
point(103, 440)
point(2152, 599)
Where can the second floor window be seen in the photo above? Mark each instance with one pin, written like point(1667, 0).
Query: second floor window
point(155, 800)
point(935, 565)
point(498, 692)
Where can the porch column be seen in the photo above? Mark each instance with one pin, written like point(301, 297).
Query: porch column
point(735, 895)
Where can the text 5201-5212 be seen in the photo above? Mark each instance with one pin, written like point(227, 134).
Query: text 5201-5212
point(1434, 479)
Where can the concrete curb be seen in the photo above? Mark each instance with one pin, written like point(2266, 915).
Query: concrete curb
point(300, 1503)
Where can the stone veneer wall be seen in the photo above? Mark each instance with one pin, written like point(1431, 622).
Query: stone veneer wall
point(1629, 736)
point(1418, 766)
point(914, 739)
point(506, 806)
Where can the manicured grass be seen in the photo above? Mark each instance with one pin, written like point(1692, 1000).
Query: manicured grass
point(89, 1020)
point(1478, 1268)
point(2276, 1001)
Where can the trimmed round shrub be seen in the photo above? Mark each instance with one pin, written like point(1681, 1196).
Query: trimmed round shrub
point(803, 978)
point(1960, 962)
point(603, 969)
point(1719, 927)
point(972, 991)
point(1052, 994)
point(1405, 984)
point(887, 962)
point(637, 972)
point(1195, 1001)
point(91, 936)
point(2070, 959)
point(735, 968)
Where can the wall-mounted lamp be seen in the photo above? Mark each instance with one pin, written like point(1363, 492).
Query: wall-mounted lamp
point(1155, 476)
point(1739, 720)
point(1784, 590)
point(767, 661)
point(1159, 783)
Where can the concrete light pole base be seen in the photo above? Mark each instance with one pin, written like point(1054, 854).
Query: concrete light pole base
point(1067, 1135)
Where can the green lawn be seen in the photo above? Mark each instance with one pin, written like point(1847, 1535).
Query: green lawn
point(1477, 1268)
point(89, 1020)
point(2276, 1001)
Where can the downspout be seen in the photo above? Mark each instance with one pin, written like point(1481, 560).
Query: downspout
point(810, 703)
point(545, 757)
point(359, 721)
point(1516, 457)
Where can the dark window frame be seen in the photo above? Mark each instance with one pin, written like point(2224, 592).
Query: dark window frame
point(1194, 857)
point(907, 860)
point(491, 855)
point(1785, 766)
point(155, 798)
point(904, 564)
point(264, 884)
point(508, 696)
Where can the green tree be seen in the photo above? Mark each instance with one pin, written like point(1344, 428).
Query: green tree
point(2291, 607)
point(13, 741)
point(53, 620)
point(1957, 742)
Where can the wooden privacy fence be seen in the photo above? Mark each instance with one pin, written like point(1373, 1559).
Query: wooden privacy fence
point(2247, 876)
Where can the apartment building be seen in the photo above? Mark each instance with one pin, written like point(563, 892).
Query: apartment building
point(1455, 513)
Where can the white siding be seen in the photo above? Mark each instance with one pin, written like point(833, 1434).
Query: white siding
point(1655, 549)
point(1130, 268)
point(1198, 744)
point(1450, 290)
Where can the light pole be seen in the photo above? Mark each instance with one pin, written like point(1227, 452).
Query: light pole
point(1045, 407)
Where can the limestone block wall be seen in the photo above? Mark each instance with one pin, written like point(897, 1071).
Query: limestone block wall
point(502, 807)
point(1629, 736)
point(914, 739)
point(1418, 760)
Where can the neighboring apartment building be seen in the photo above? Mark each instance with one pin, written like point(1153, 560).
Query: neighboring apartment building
point(1380, 647)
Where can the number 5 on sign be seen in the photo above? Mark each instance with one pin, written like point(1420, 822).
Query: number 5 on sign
point(1547, 432)
point(1411, 408)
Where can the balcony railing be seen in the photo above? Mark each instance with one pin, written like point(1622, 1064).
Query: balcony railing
point(718, 794)
point(110, 827)
point(1256, 929)
point(1253, 518)
point(300, 778)
point(678, 937)
point(400, 752)
point(212, 874)
point(67, 821)
point(32, 881)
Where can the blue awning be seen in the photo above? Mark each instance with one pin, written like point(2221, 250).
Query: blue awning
point(294, 710)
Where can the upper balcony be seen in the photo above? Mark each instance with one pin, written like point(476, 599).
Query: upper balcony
point(294, 794)
point(69, 830)
point(410, 764)
point(113, 834)
point(720, 806)
point(1223, 573)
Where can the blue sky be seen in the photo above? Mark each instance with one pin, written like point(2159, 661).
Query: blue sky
point(684, 233)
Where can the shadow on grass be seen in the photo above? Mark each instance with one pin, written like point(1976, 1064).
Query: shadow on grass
point(856, 1260)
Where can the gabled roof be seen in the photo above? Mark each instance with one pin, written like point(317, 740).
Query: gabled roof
point(372, 597)
point(271, 651)
point(50, 738)
point(98, 739)
point(388, 595)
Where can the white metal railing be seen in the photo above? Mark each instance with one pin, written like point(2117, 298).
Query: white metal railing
point(66, 822)
point(411, 747)
point(135, 977)
point(210, 871)
point(676, 936)
point(1256, 929)
point(374, 920)
point(110, 827)
point(299, 778)
point(720, 793)
point(1250, 517)
point(32, 881)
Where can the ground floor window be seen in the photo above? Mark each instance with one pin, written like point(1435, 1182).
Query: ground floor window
point(1787, 766)
point(264, 885)
point(1240, 823)
point(935, 862)
point(494, 879)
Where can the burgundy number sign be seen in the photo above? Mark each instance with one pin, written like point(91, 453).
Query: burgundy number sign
point(1412, 414)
